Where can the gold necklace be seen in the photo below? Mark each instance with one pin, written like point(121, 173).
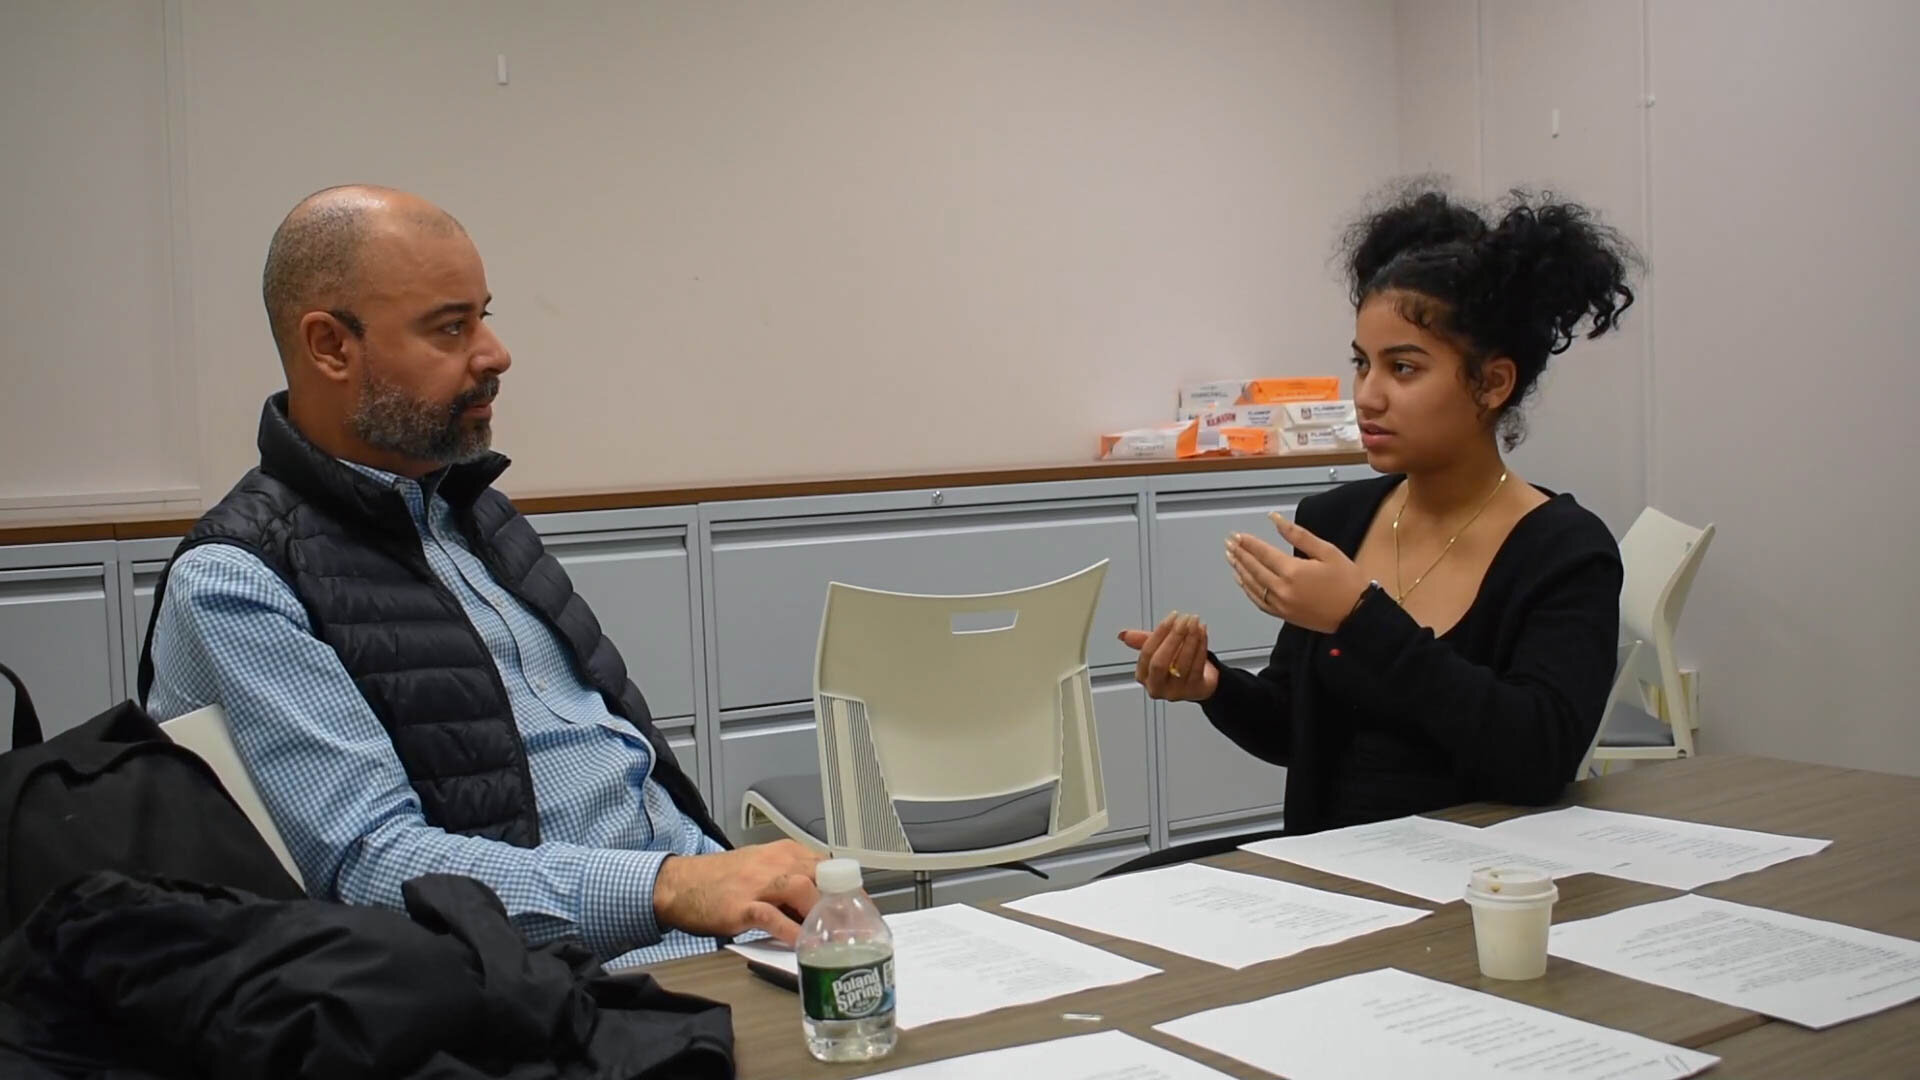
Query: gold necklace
point(1401, 596)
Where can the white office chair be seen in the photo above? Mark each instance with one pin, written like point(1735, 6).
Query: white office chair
point(1661, 557)
point(1626, 657)
point(204, 731)
point(954, 731)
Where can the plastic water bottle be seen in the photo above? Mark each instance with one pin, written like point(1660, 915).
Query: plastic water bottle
point(846, 970)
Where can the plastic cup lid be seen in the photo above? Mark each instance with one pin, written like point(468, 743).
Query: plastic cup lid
point(1512, 882)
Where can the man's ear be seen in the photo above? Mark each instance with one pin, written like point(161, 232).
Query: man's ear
point(329, 344)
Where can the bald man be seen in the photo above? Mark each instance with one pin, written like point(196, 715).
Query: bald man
point(411, 680)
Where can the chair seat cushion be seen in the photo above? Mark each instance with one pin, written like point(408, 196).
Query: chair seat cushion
point(948, 825)
point(1630, 726)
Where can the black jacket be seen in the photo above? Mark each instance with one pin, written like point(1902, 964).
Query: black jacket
point(142, 980)
point(347, 547)
point(1382, 719)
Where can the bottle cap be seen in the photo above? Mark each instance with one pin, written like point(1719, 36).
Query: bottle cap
point(837, 876)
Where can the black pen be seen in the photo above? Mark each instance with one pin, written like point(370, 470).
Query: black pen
point(778, 976)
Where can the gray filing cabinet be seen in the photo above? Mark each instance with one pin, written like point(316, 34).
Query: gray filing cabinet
point(60, 628)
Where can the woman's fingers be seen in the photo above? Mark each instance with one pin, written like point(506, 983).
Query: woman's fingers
point(1192, 658)
point(1149, 646)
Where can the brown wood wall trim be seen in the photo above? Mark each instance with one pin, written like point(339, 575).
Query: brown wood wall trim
point(142, 528)
point(57, 533)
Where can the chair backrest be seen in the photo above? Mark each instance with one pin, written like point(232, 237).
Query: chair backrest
point(933, 698)
point(204, 731)
point(1660, 556)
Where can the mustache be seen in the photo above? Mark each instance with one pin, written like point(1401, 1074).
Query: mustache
point(479, 395)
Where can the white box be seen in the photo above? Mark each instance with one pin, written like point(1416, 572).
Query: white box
point(1320, 440)
point(1201, 397)
point(1164, 442)
point(1256, 416)
point(1313, 414)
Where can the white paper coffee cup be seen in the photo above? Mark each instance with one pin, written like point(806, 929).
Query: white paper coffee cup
point(1512, 909)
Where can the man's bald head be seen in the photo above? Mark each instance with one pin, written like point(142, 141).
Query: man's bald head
point(314, 262)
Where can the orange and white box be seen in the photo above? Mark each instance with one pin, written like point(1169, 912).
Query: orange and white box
point(1250, 441)
point(1268, 416)
point(1196, 398)
point(1165, 442)
point(1237, 430)
point(1297, 388)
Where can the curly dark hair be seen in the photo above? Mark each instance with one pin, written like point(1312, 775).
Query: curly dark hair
point(1520, 287)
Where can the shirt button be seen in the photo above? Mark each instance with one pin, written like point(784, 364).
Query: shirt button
point(540, 684)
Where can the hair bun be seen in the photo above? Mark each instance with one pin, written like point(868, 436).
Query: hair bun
point(1417, 220)
point(1548, 266)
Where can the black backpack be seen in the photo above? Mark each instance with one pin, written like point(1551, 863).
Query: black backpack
point(116, 794)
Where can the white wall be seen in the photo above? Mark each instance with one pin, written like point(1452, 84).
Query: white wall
point(728, 239)
point(1787, 236)
point(1437, 53)
point(1771, 184)
point(96, 384)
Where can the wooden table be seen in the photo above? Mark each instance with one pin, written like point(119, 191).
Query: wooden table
point(1869, 877)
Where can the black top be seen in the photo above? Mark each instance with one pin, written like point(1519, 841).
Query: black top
point(1381, 718)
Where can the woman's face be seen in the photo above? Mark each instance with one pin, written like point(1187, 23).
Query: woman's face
point(1417, 411)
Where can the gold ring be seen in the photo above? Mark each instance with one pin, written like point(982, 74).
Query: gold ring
point(1173, 671)
point(1265, 590)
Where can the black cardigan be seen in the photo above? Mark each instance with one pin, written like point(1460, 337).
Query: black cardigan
point(1501, 708)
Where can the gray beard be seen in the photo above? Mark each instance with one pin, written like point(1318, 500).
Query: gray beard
point(388, 418)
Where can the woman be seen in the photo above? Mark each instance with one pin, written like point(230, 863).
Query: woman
point(1450, 629)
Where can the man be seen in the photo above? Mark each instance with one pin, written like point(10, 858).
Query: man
point(411, 680)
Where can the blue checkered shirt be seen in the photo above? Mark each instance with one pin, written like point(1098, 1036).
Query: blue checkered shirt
point(232, 633)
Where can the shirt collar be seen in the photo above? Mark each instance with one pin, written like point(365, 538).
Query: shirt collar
point(428, 484)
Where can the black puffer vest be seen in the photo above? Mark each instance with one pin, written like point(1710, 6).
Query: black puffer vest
point(347, 547)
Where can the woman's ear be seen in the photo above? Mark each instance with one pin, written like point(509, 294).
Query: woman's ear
point(1498, 377)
